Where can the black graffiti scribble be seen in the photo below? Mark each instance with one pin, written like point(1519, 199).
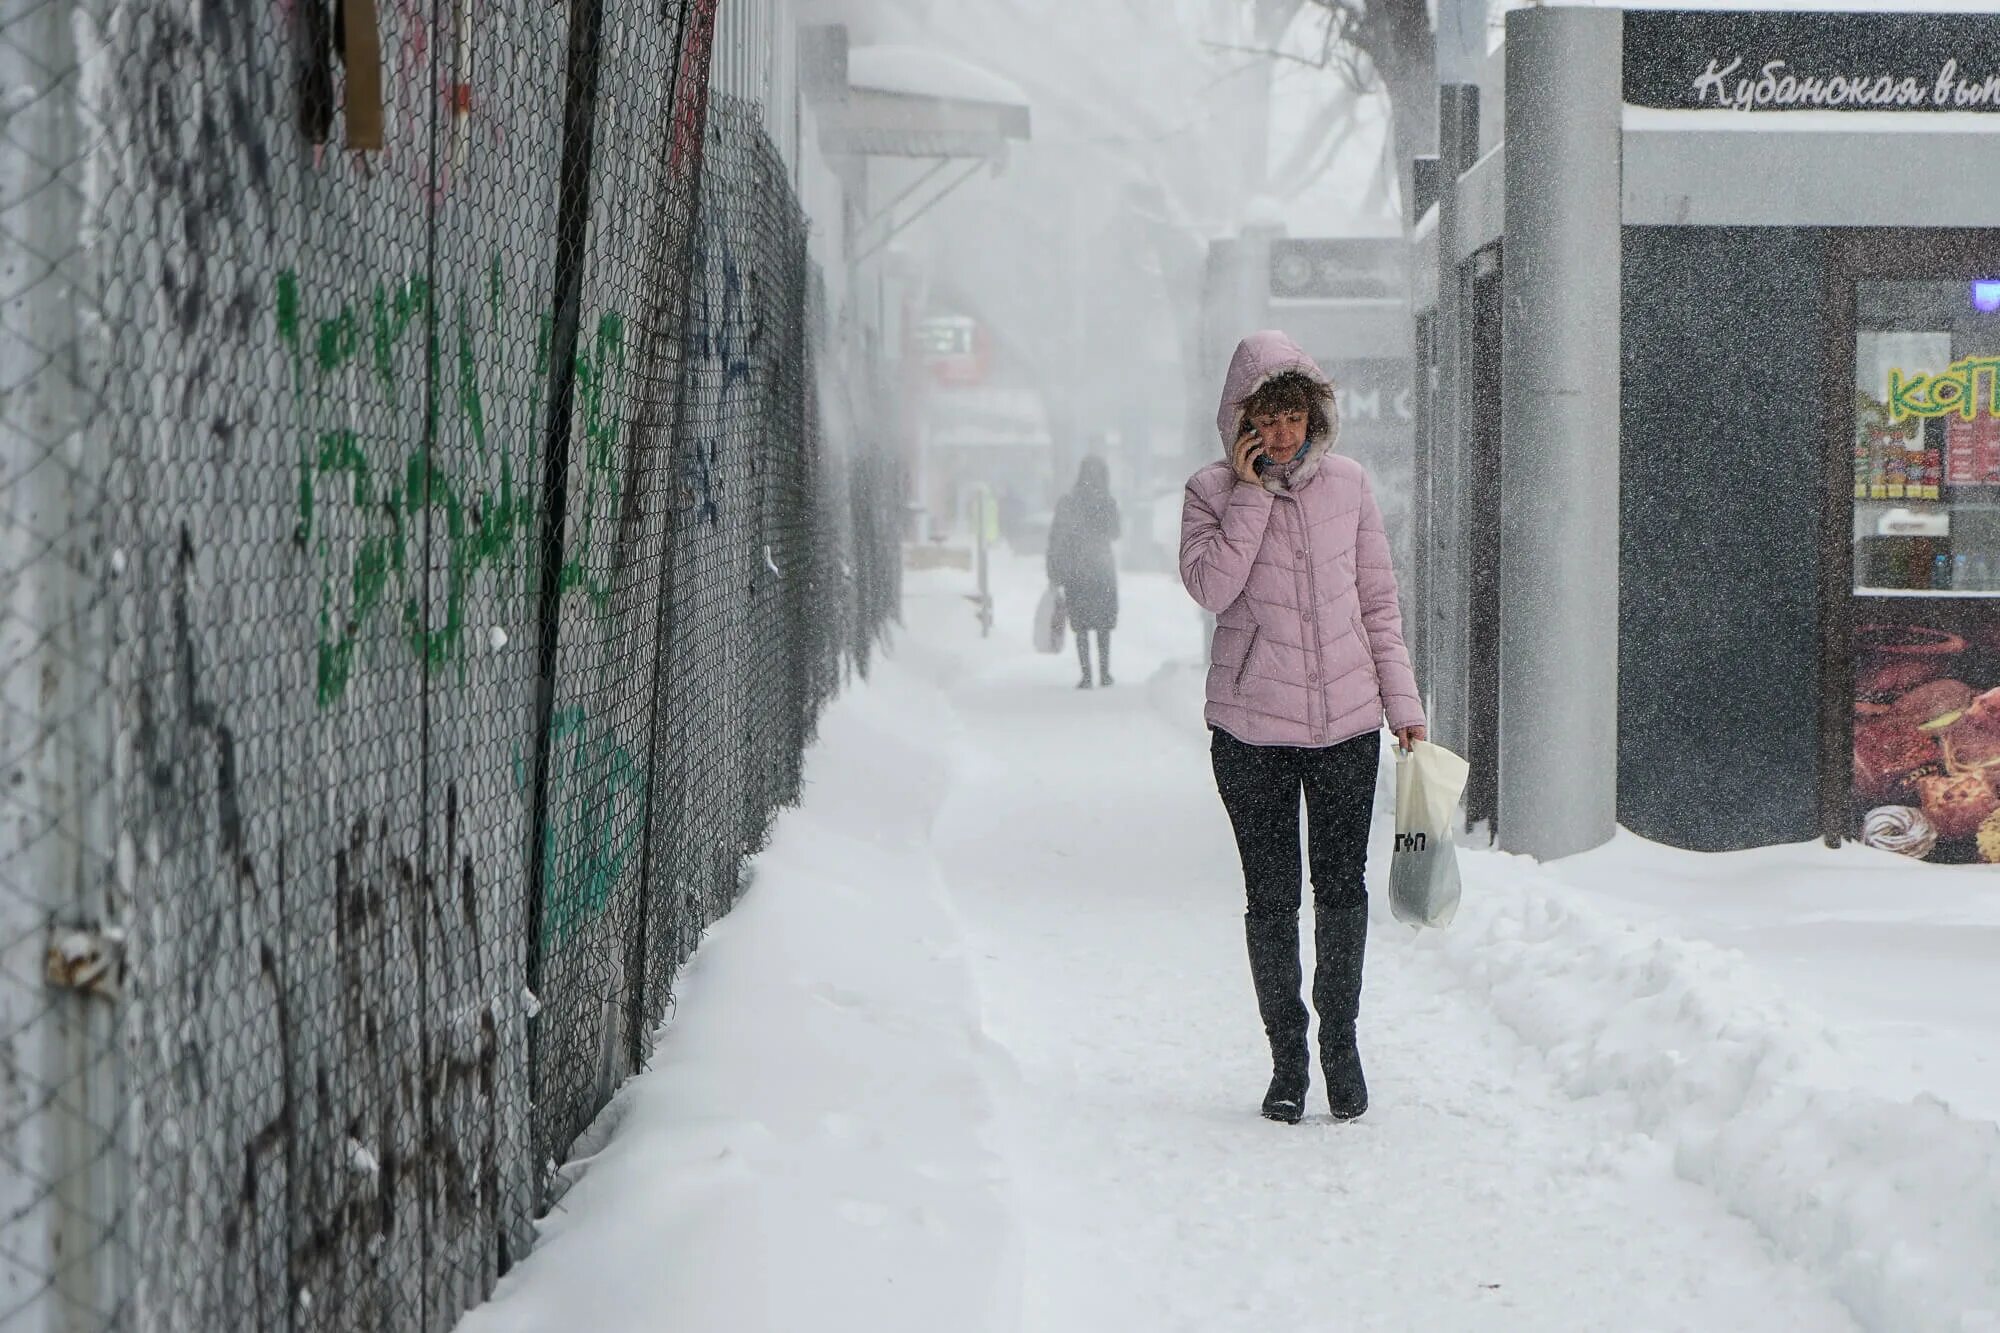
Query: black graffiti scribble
point(198, 193)
point(205, 718)
point(372, 1072)
point(699, 470)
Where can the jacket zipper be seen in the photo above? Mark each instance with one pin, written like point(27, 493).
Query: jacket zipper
point(1316, 698)
point(1244, 665)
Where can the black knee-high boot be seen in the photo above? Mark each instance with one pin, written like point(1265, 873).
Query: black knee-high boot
point(1274, 970)
point(1103, 657)
point(1340, 937)
point(1083, 657)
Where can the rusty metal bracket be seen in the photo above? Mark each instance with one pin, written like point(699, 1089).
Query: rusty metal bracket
point(89, 961)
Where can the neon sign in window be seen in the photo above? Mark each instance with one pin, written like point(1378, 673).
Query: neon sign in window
point(1957, 388)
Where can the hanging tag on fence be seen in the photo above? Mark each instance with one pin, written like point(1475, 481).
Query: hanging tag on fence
point(360, 38)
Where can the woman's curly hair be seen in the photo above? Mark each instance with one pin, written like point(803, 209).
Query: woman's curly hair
point(1292, 391)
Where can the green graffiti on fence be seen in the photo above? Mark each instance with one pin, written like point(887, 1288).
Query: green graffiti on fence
point(367, 495)
point(595, 811)
point(600, 383)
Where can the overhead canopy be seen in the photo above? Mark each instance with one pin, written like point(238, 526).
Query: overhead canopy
point(907, 101)
point(915, 71)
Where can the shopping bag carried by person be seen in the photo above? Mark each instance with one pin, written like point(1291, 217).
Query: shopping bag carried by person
point(1051, 619)
point(1423, 872)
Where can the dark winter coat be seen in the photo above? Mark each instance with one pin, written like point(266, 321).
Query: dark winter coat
point(1081, 561)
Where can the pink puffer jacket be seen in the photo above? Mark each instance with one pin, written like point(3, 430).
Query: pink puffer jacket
point(1308, 644)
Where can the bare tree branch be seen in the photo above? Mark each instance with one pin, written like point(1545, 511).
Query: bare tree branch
point(1339, 49)
point(1321, 141)
point(1271, 18)
point(1379, 43)
point(1320, 62)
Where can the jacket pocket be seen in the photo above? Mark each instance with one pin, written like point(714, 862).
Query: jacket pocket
point(1244, 665)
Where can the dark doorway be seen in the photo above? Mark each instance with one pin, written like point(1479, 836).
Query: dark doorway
point(1482, 790)
point(1719, 534)
point(1417, 598)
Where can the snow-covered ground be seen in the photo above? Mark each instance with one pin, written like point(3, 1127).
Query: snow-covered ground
point(978, 1051)
point(1904, 959)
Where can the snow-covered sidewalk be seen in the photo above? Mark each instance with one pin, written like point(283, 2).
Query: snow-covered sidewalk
point(978, 1051)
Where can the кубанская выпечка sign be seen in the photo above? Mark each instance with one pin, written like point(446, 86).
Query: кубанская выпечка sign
point(1737, 61)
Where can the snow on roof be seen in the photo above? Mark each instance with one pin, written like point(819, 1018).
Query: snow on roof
point(915, 71)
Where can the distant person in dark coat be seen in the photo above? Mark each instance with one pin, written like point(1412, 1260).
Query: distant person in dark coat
point(1082, 564)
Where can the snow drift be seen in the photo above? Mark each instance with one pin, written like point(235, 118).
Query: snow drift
point(1896, 1203)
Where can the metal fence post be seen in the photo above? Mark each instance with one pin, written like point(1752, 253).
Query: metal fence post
point(579, 128)
point(63, 1164)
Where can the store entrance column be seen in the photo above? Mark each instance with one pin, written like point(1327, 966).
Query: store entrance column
point(1914, 644)
point(1559, 468)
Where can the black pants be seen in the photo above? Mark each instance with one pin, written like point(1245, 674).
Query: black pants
point(1261, 786)
point(1103, 652)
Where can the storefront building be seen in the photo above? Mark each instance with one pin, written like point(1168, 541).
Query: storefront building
point(1708, 460)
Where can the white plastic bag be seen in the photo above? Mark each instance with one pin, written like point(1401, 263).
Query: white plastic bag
point(1051, 619)
point(1423, 871)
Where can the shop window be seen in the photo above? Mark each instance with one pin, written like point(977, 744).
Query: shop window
point(1927, 440)
point(1926, 613)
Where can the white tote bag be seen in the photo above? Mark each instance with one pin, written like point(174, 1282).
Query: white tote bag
point(1423, 870)
point(1051, 619)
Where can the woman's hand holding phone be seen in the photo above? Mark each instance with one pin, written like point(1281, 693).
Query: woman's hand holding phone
point(1249, 448)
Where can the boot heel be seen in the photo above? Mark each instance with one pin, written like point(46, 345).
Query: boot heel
point(1346, 1086)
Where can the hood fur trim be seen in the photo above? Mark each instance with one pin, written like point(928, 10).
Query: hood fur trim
point(1317, 447)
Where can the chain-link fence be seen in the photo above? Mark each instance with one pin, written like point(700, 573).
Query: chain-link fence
point(421, 567)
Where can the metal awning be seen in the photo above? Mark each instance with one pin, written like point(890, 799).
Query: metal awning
point(912, 103)
point(905, 101)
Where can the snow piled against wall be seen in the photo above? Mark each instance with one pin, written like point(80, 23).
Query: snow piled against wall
point(1895, 1203)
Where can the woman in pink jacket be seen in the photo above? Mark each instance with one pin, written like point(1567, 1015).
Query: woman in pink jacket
point(1283, 541)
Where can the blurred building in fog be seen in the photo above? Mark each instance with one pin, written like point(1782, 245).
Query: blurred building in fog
point(985, 426)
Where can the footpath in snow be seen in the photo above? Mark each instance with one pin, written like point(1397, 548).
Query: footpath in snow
point(978, 1052)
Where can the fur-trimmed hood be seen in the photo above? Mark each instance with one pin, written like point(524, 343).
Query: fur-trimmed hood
point(1260, 358)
